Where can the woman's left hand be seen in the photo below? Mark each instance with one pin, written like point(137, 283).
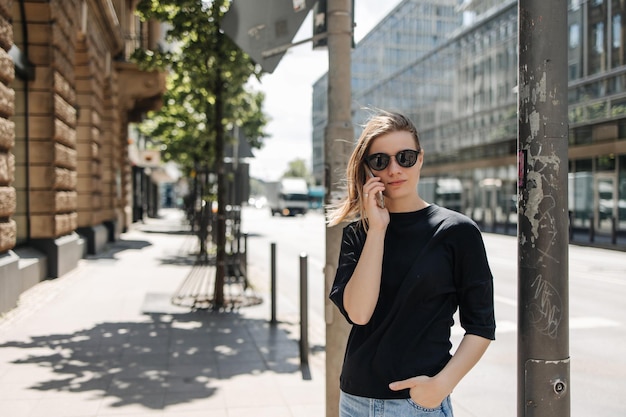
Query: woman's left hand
point(424, 390)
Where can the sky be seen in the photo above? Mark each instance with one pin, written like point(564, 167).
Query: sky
point(288, 94)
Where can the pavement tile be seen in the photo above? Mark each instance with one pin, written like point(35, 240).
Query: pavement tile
point(131, 403)
point(16, 407)
point(182, 402)
point(63, 406)
point(18, 390)
point(308, 410)
point(105, 340)
point(259, 411)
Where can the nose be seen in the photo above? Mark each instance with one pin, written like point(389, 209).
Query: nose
point(393, 165)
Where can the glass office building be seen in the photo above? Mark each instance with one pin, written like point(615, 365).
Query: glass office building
point(411, 30)
point(462, 96)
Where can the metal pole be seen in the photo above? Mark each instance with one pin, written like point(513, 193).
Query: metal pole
point(543, 365)
point(273, 282)
point(304, 307)
point(338, 143)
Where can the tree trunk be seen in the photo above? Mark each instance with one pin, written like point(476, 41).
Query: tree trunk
point(220, 270)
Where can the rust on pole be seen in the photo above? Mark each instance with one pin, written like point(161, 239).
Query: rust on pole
point(338, 143)
point(543, 365)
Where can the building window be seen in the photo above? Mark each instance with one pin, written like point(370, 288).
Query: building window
point(598, 38)
point(573, 71)
point(605, 163)
point(574, 35)
point(581, 136)
point(617, 31)
point(580, 192)
point(597, 54)
point(617, 41)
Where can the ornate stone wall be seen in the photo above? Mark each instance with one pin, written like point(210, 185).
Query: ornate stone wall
point(115, 170)
point(90, 60)
point(67, 93)
point(52, 119)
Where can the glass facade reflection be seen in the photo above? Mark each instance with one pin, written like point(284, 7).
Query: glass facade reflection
point(460, 90)
point(410, 31)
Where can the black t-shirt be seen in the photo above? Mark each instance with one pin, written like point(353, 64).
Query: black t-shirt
point(409, 331)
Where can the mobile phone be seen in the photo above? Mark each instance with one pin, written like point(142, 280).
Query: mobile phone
point(379, 195)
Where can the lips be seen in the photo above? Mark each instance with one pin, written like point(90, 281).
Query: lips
point(396, 183)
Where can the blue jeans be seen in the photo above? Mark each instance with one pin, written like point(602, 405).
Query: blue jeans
point(353, 406)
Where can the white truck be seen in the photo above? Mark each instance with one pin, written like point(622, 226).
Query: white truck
point(288, 197)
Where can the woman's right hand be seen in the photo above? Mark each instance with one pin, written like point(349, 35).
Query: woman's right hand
point(377, 217)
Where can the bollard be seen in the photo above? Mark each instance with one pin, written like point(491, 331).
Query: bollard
point(304, 319)
point(273, 282)
point(244, 265)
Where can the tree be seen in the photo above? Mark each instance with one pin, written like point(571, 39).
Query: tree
point(297, 168)
point(201, 61)
point(208, 95)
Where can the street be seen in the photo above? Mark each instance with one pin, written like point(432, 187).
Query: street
point(293, 236)
point(597, 281)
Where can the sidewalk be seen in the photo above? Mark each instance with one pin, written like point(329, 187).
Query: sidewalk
point(105, 340)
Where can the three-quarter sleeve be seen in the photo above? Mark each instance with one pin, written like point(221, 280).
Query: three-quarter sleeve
point(352, 241)
point(474, 282)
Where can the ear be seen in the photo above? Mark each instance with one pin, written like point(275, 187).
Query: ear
point(420, 159)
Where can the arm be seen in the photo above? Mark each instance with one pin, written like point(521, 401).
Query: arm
point(431, 391)
point(362, 290)
point(467, 355)
point(361, 293)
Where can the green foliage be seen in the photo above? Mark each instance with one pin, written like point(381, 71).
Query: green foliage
point(298, 169)
point(201, 63)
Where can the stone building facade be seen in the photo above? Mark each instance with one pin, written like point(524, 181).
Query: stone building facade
point(67, 95)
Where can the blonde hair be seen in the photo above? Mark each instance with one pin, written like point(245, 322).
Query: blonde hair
point(381, 123)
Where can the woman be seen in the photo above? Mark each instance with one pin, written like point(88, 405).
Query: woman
point(405, 267)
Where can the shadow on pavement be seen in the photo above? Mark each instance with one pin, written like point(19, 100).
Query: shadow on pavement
point(112, 249)
point(178, 357)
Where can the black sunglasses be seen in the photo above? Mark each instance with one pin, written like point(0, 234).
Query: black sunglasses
point(406, 159)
